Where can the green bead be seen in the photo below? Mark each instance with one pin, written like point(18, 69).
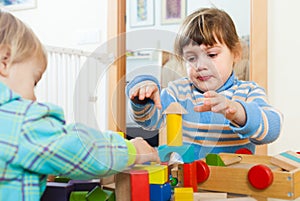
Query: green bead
point(173, 181)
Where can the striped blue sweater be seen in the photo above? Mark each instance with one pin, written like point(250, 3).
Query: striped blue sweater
point(211, 132)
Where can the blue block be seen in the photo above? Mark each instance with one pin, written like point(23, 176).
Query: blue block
point(160, 192)
point(185, 151)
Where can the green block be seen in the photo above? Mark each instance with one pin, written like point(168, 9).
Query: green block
point(97, 194)
point(61, 179)
point(111, 195)
point(214, 160)
point(78, 196)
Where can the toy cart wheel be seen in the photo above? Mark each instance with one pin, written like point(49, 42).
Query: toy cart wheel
point(260, 176)
point(202, 171)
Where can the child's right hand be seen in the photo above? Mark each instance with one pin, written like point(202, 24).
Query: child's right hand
point(146, 89)
point(144, 152)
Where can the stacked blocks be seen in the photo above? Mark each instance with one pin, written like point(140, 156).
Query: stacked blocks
point(158, 174)
point(185, 151)
point(188, 169)
point(174, 124)
point(140, 180)
point(133, 185)
point(160, 192)
point(144, 182)
point(189, 172)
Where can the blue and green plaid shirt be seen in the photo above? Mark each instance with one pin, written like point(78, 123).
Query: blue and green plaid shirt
point(35, 142)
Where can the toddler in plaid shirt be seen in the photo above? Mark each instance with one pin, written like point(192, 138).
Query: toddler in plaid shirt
point(34, 139)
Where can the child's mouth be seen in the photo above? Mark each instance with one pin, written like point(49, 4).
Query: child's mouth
point(204, 78)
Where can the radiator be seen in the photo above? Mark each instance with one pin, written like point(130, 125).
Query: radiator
point(58, 83)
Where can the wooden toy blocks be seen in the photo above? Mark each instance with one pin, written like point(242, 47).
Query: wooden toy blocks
point(183, 194)
point(174, 124)
point(189, 175)
point(132, 185)
point(57, 191)
point(185, 151)
point(98, 194)
point(158, 174)
point(160, 192)
point(140, 189)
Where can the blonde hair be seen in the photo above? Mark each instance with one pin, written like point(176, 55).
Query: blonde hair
point(208, 26)
point(20, 39)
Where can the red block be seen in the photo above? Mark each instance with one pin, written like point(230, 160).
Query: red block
point(189, 175)
point(140, 187)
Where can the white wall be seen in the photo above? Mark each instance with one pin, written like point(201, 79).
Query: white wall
point(68, 23)
point(238, 10)
point(284, 70)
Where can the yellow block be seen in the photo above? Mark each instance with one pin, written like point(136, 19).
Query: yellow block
point(183, 194)
point(158, 174)
point(174, 130)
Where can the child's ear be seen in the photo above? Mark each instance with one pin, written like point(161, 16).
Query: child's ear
point(237, 53)
point(4, 60)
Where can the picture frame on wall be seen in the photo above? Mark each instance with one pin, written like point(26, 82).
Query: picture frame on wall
point(173, 11)
point(141, 13)
point(13, 5)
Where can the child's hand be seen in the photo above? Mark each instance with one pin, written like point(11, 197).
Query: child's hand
point(215, 102)
point(144, 152)
point(146, 89)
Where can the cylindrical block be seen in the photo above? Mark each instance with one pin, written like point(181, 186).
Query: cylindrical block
point(174, 130)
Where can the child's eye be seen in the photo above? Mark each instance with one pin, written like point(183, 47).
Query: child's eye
point(212, 55)
point(191, 59)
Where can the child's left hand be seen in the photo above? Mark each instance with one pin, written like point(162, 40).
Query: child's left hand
point(215, 102)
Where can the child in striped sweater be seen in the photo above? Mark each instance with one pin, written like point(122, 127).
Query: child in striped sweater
point(224, 114)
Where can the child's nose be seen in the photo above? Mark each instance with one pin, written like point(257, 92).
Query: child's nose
point(200, 66)
point(204, 62)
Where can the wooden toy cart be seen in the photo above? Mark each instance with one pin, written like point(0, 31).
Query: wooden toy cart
point(271, 181)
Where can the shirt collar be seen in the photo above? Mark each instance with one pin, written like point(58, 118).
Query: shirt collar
point(6, 94)
point(228, 84)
